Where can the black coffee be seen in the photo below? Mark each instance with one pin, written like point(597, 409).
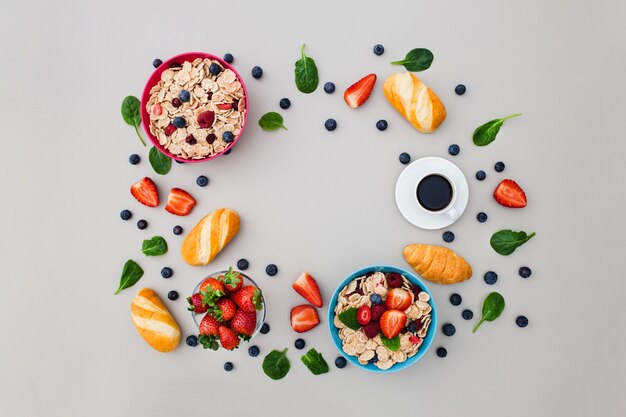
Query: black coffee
point(434, 192)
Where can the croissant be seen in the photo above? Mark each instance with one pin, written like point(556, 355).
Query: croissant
point(210, 236)
point(437, 264)
point(415, 101)
point(153, 322)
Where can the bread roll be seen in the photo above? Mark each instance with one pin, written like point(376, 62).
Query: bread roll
point(153, 322)
point(437, 264)
point(415, 101)
point(210, 236)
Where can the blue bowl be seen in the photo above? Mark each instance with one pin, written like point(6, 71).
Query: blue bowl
point(334, 331)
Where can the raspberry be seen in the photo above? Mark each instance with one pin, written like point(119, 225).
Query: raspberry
point(415, 290)
point(377, 311)
point(205, 119)
point(170, 129)
point(394, 280)
point(371, 329)
point(414, 339)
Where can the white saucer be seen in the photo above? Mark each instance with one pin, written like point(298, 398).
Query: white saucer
point(406, 187)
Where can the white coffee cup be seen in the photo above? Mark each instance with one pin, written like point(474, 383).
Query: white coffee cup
point(449, 210)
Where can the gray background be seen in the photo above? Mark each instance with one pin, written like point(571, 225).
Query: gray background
point(316, 201)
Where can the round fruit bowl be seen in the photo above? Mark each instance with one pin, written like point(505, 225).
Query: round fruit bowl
point(426, 340)
point(260, 314)
point(156, 77)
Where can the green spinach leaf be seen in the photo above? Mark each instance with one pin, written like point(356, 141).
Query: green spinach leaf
point(130, 275)
point(506, 241)
point(348, 317)
point(160, 162)
point(485, 134)
point(271, 121)
point(276, 365)
point(391, 344)
point(131, 112)
point(306, 74)
point(315, 362)
point(492, 308)
point(154, 247)
point(418, 59)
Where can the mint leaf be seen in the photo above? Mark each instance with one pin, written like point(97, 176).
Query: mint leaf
point(131, 273)
point(154, 247)
point(315, 362)
point(348, 317)
point(391, 344)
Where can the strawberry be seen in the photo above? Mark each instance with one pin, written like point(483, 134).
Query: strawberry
point(209, 326)
point(398, 299)
point(377, 311)
point(358, 92)
point(414, 340)
point(509, 194)
point(225, 106)
point(228, 338)
point(392, 322)
point(244, 323)
point(169, 129)
point(233, 281)
point(248, 298)
point(179, 202)
point(145, 192)
point(303, 318)
point(211, 290)
point(195, 304)
point(371, 329)
point(306, 286)
point(364, 315)
point(224, 309)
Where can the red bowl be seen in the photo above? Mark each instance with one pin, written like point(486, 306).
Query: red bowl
point(156, 77)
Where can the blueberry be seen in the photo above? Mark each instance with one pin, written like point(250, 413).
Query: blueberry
point(521, 321)
point(254, 351)
point(411, 327)
point(228, 151)
point(460, 89)
point(454, 149)
point(175, 65)
point(243, 264)
point(442, 352)
point(379, 49)
point(271, 270)
point(340, 362)
point(192, 341)
point(228, 137)
point(480, 175)
point(381, 125)
point(177, 230)
point(202, 181)
point(184, 96)
point(126, 214)
point(404, 158)
point(330, 125)
point(179, 122)
point(455, 299)
point(229, 58)
point(376, 299)
point(179, 162)
point(329, 87)
point(134, 159)
point(448, 329)
point(448, 236)
point(284, 103)
point(215, 69)
point(374, 359)
point(524, 271)
point(172, 295)
point(142, 224)
point(228, 366)
point(481, 217)
point(257, 72)
point(265, 329)
point(299, 344)
point(499, 166)
point(490, 277)
point(157, 63)
point(467, 314)
point(167, 272)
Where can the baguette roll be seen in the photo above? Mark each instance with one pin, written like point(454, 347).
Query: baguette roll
point(210, 236)
point(154, 322)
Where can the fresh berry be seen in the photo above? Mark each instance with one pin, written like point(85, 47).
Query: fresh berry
point(509, 194)
point(244, 323)
point(142, 224)
point(374, 359)
point(481, 217)
point(126, 215)
point(257, 72)
point(392, 322)
point(480, 175)
point(364, 315)
point(177, 230)
point(225, 106)
point(467, 314)
point(157, 110)
point(157, 63)
point(233, 281)
point(340, 362)
point(499, 166)
point(215, 69)
point(454, 150)
point(179, 122)
point(330, 124)
point(134, 159)
point(329, 87)
point(243, 264)
point(371, 329)
point(254, 351)
point(303, 318)
point(521, 321)
point(169, 130)
point(381, 125)
point(195, 304)
point(307, 287)
point(404, 158)
point(411, 327)
point(228, 137)
point(376, 299)
point(212, 285)
point(228, 366)
point(179, 202)
point(176, 102)
point(360, 91)
point(167, 272)
point(379, 49)
point(184, 96)
point(205, 121)
point(299, 344)
point(209, 326)
point(398, 299)
point(524, 272)
point(172, 295)
point(202, 181)
point(271, 270)
point(229, 58)
point(228, 338)
point(393, 280)
point(192, 341)
point(265, 329)
point(248, 299)
point(175, 65)
point(448, 236)
point(416, 290)
point(460, 89)
point(224, 309)
point(490, 277)
point(145, 192)
point(190, 139)
point(455, 299)
point(228, 151)
point(377, 311)
point(414, 339)
point(448, 329)
point(284, 103)
point(442, 352)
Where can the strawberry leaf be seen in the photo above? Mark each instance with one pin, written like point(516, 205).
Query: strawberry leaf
point(210, 296)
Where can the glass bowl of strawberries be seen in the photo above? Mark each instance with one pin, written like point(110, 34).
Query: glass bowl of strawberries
point(227, 307)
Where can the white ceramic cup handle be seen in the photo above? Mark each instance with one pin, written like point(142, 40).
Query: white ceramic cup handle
point(453, 213)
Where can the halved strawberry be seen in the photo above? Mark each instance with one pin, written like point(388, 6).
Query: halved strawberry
point(145, 192)
point(303, 318)
point(244, 323)
point(364, 315)
point(398, 299)
point(392, 322)
point(179, 202)
point(228, 338)
point(509, 194)
point(306, 286)
point(358, 92)
point(225, 106)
